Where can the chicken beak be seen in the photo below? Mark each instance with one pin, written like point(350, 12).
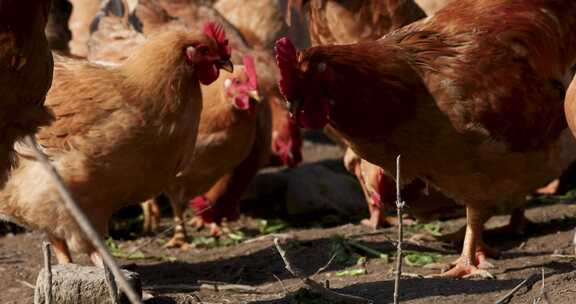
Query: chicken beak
point(226, 65)
point(254, 95)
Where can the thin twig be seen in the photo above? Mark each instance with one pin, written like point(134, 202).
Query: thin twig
point(326, 265)
point(328, 294)
point(281, 284)
point(543, 292)
point(48, 269)
point(83, 221)
point(204, 286)
point(574, 242)
point(506, 298)
point(283, 236)
point(399, 208)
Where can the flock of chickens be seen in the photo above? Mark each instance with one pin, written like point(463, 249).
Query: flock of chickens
point(188, 98)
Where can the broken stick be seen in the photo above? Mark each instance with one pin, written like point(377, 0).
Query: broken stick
point(48, 267)
point(399, 208)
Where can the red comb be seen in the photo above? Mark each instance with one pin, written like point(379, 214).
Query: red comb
point(216, 31)
point(286, 60)
point(250, 71)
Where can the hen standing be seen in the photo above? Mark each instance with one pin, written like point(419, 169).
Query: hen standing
point(226, 134)
point(121, 134)
point(471, 97)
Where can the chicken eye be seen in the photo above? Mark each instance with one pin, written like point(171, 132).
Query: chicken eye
point(236, 81)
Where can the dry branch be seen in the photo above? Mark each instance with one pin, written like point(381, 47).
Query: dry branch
point(328, 294)
point(48, 267)
point(399, 209)
point(543, 294)
point(83, 221)
point(204, 286)
point(506, 298)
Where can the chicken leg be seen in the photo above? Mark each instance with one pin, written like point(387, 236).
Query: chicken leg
point(60, 250)
point(473, 251)
point(179, 240)
point(151, 213)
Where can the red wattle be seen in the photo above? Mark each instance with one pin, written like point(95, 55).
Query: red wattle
point(207, 73)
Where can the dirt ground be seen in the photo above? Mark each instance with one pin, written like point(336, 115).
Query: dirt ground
point(249, 259)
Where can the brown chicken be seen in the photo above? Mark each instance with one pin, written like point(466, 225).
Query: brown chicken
point(227, 131)
point(470, 97)
point(25, 74)
point(343, 22)
point(349, 21)
point(113, 127)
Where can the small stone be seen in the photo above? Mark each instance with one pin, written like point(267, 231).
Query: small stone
point(73, 283)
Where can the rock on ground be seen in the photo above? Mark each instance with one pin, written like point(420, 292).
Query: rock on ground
point(73, 284)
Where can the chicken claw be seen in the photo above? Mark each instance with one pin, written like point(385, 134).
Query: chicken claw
point(474, 251)
point(199, 223)
point(178, 242)
point(464, 271)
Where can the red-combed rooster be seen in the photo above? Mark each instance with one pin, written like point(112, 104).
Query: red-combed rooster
point(471, 97)
point(343, 22)
point(113, 126)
